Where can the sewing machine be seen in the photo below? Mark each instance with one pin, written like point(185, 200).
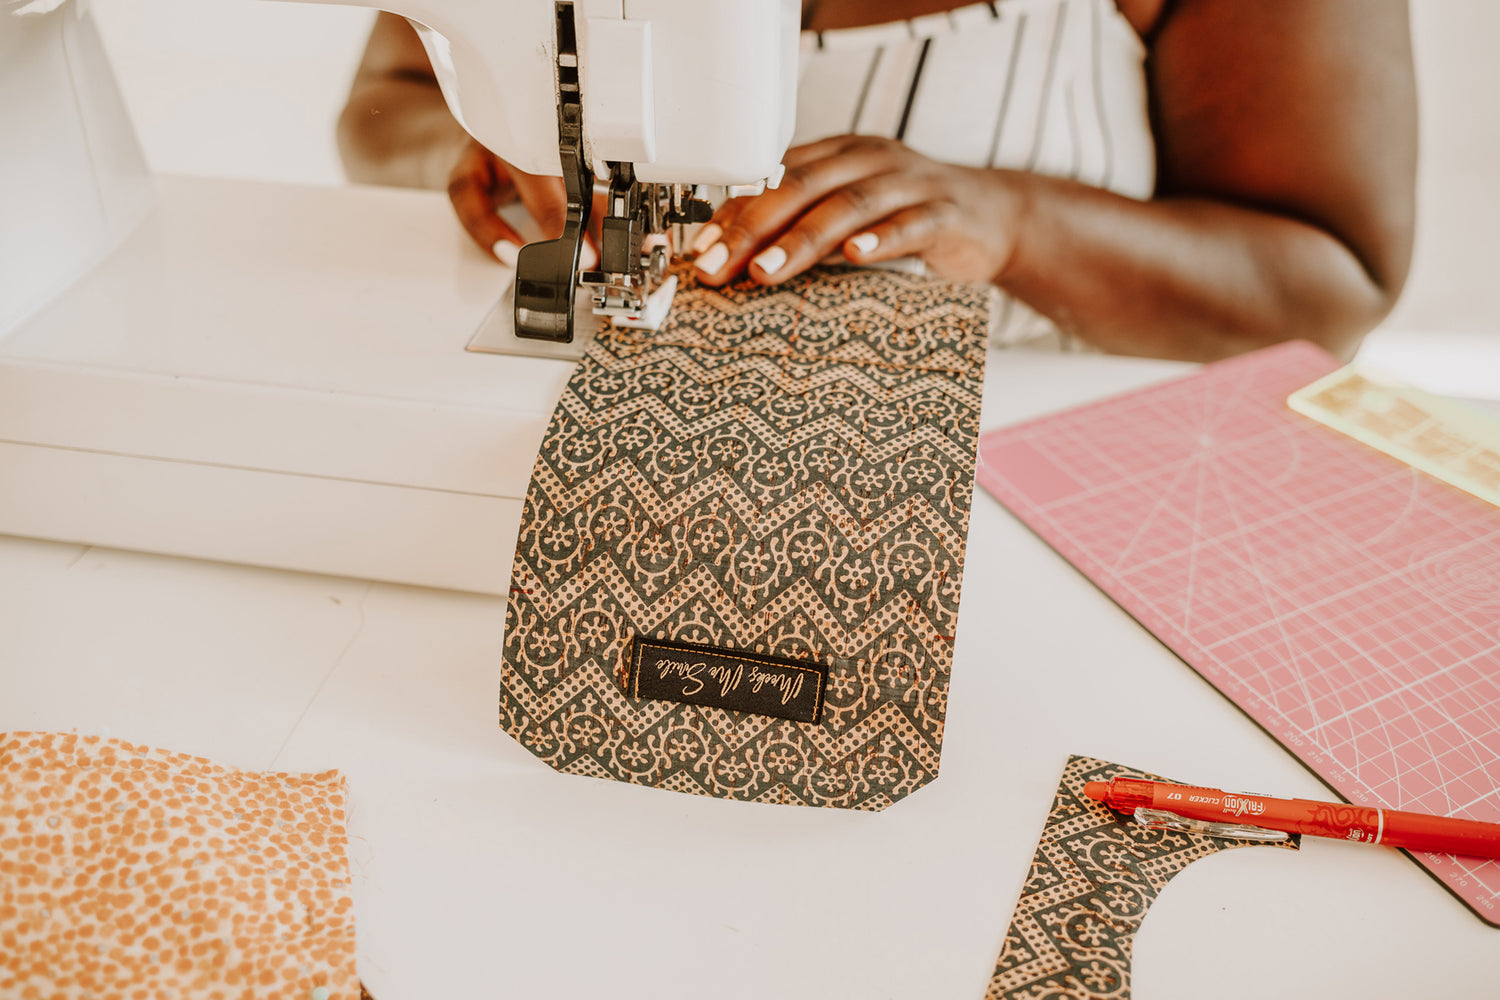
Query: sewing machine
point(275, 375)
point(587, 89)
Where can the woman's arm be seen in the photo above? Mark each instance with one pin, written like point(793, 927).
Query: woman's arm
point(1286, 138)
point(1286, 135)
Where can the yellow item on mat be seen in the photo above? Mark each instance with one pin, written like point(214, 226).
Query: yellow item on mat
point(1457, 443)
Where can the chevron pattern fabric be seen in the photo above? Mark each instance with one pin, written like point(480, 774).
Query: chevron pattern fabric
point(1093, 877)
point(781, 471)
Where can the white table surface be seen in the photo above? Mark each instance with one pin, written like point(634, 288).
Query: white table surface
point(480, 873)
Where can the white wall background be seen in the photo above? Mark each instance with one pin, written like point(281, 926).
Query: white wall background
point(251, 89)
point(1454, 283)
point(1445, 333)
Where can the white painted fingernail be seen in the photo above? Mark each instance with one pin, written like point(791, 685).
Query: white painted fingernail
point(587, 257)
point(507, 252)
point(771, 260)
point(707, 237)
point(865, 242)
point(711, 260)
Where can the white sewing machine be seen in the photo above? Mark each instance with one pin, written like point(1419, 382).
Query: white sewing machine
point(276, 375)
point(586, 88)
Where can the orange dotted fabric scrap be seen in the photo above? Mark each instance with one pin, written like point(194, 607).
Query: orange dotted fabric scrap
point(133, 873)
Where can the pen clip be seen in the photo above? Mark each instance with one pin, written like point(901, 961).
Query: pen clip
point(1161, 819)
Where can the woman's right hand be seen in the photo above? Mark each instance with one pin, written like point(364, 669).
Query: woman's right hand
point(481, 183)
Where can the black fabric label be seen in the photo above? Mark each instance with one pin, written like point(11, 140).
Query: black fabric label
point(725, 678)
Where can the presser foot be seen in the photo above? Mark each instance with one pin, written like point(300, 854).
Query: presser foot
point(653, 313)
point(496, 333)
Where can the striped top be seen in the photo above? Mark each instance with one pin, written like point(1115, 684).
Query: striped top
point(1051, 86)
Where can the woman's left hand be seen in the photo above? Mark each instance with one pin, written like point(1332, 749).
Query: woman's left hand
point(873, 199)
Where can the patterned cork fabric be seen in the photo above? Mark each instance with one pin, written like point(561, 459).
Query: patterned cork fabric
point(1093, 877)
point(784, 471)
point(129, 873)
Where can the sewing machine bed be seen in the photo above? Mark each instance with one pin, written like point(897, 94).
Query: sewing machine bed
point(277, 375)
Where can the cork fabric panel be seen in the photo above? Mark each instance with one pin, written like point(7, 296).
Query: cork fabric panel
point(1095, 874)
point(130, 873)
point(785, 471)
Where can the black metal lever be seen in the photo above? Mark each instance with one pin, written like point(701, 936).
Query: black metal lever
point(547, 272)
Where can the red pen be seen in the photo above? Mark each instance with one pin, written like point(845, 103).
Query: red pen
point(1256, 817)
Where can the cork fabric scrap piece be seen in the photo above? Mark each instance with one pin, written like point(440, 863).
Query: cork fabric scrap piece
point(785, 471)
point(1094, 875)
point(132, 873)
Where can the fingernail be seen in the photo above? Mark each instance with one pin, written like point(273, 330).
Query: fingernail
point(507, 252)
point(587, 257)
point(707, 237)
point(770, 260)
point(711, 260)
point(865, 242)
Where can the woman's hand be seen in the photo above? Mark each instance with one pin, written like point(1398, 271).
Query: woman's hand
point(481, 183)
point(873, 199)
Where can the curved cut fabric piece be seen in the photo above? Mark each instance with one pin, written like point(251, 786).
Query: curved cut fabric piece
point(782, 471)
point(1094, 875)
point(127, 871)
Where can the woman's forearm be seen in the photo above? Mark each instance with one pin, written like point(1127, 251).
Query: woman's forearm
point(1188, 278)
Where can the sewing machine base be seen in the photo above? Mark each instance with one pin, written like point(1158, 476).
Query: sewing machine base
point(216, 390)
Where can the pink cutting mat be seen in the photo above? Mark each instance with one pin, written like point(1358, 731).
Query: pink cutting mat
point(1347, 603)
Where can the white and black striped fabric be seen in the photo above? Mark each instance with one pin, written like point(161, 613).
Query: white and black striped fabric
point(1053, 86)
